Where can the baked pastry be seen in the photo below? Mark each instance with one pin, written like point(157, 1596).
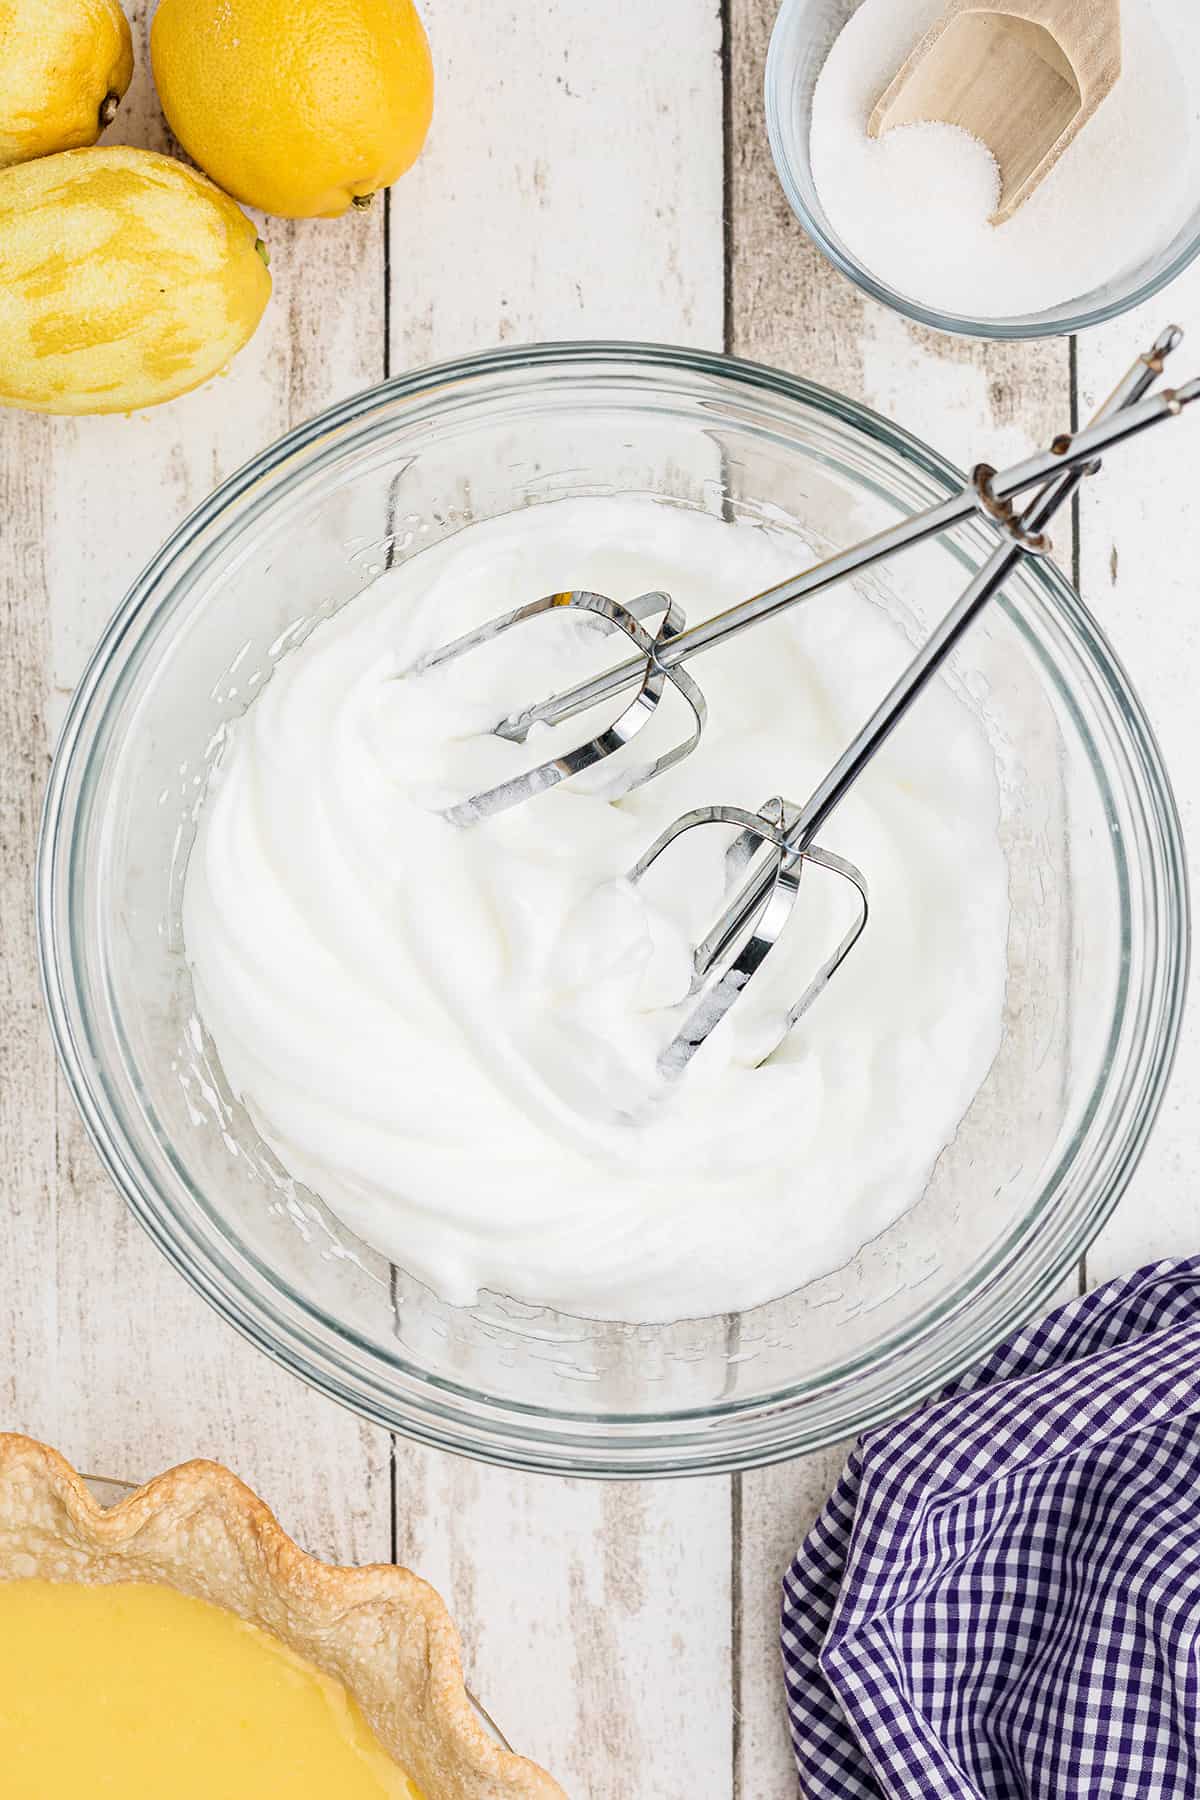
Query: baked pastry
point(377, 1634)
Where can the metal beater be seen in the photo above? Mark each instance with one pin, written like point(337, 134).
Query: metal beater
point(772, 847)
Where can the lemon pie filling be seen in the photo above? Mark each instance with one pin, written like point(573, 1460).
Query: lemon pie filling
point(137, 1690)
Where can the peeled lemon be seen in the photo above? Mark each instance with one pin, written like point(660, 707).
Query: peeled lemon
point(125, 279)
point(299, 107)
point(64, 65)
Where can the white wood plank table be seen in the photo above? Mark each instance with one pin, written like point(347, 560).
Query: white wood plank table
point(597, 168)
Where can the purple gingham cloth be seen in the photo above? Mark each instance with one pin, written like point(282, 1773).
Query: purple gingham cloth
point(1001, 1599)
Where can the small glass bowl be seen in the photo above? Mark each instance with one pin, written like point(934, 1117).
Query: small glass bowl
point(803, 36)
point(1097, 950)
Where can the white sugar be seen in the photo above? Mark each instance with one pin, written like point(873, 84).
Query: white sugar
point(913, 206)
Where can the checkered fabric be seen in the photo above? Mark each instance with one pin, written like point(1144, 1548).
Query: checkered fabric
point(1001, 1599)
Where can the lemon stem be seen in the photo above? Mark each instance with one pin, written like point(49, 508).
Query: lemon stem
point(362, 201)
point(261, 249)
point(108, 109)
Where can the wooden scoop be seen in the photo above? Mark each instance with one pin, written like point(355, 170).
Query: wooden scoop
point(1023, 76)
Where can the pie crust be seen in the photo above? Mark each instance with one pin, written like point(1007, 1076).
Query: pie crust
point(381, 1631)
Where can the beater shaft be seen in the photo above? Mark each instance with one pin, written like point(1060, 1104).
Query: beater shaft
point(794, 843)
point(988, 492)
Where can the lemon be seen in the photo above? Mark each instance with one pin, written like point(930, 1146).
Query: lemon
point(125, 279)
point(64, 65)
point(299, 107)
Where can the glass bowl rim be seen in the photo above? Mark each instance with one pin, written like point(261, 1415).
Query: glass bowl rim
point(1020, 327)
point(525, 1435)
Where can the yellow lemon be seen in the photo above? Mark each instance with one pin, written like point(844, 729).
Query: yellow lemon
point(125, 279)
point(64, 65)
point(300, 107)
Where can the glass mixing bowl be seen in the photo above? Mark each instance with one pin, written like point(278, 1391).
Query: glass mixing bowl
point(800, 42)
point(1097, 947)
